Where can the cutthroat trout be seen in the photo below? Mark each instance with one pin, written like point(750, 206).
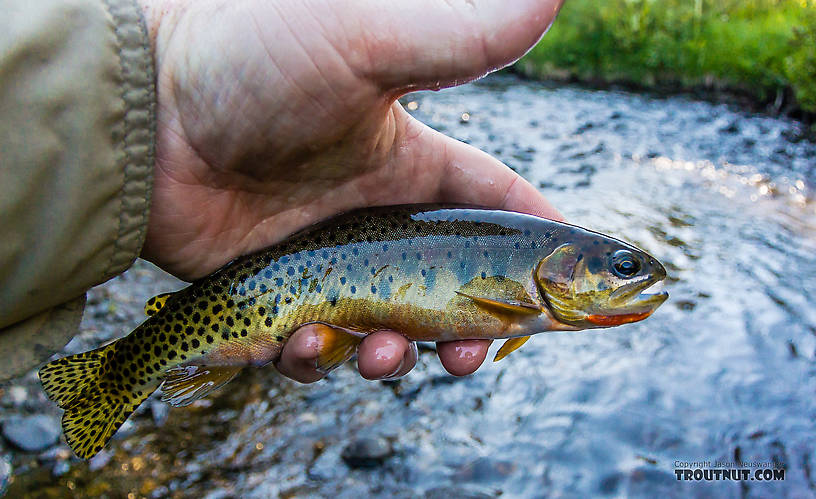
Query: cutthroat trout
point(434, 273)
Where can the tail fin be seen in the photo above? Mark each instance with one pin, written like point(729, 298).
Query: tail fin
point(95, 403)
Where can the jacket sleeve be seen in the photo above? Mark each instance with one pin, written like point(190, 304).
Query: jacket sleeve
point(77, 119)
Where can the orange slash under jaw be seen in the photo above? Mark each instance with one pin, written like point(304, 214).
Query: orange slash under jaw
point(617, 320)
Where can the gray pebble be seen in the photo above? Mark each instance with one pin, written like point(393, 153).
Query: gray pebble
point(61, 468)
point(367, 452)
point(5, 473)
point(32, 433)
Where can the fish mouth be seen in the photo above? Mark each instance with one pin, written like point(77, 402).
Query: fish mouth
point(643, 295)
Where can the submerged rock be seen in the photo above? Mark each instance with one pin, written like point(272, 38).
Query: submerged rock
point(5, 473)
point(32, 433)
point(486, 469)
point(367, 452)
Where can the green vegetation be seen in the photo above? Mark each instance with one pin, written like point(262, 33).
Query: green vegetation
point(763, 47)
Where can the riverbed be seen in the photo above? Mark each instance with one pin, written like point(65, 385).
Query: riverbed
point(725, 371)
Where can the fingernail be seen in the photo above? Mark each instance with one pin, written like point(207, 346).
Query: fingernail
point(411, 354)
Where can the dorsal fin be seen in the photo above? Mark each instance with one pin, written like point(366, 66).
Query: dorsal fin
point(509, 347)
point(156, 303)
point(184, 385)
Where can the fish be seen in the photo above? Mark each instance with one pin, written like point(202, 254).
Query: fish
point(431, 272)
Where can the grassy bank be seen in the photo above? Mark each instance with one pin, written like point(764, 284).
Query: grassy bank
point(763, 48)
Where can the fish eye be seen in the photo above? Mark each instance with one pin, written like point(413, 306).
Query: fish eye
point(624, 264)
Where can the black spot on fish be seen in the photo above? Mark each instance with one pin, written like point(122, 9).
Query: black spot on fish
point(268, 322)
point(210, 339)
point(195, 343)
point(171, 355)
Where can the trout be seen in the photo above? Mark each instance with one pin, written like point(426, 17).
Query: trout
point(434, 273)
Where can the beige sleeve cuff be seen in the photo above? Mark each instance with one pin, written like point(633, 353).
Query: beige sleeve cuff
point(77, 121)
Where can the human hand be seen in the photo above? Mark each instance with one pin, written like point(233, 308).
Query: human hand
point(274, 115)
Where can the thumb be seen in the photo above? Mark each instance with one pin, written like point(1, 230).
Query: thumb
point(432, 44)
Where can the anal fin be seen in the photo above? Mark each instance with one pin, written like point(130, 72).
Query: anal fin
point(509, 347)
point(184, 385)
point(156, 303)
point(507, 306)
point(336, 346)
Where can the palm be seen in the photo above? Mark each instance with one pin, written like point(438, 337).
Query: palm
point(298, 120)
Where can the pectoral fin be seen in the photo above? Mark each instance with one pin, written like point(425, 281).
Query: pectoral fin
point(507, 306)
point(336, 346)
point(156, 303)
point(509, 347)
point(185, 384)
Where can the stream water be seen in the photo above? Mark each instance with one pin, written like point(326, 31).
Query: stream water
point(724, 371)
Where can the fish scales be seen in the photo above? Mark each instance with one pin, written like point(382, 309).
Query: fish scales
point(434, 273)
